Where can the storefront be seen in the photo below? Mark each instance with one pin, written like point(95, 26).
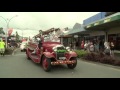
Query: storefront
point(65, 39)
point(115, 38)
point(110, 26)
point(118, 42)
point(78, 35)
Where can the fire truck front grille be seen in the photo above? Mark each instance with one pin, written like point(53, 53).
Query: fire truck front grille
point(60, 56)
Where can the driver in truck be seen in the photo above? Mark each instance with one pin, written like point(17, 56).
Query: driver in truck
point(38, 40)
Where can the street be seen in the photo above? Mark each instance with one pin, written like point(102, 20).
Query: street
point(17, 66)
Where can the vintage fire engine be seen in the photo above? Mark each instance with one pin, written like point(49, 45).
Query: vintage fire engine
point(49, 52)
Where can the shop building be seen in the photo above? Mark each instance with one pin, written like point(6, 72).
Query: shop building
point(107, 28)
point(78, 34)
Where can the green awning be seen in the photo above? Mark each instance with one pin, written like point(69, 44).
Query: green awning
point(106, 20)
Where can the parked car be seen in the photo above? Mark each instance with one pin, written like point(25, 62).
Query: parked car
point(23, 46)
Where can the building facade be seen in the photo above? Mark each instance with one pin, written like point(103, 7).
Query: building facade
point(103, 26)
point(106, 28)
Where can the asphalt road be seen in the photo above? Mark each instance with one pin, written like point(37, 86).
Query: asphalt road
point(17, 66)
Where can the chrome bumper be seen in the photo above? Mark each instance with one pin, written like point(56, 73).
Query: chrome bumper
point(63, 62)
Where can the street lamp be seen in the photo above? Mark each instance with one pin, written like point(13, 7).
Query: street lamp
point(7, 22)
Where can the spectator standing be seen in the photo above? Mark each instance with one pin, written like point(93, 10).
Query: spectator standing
point(77, 44)
point(88, 47)
point(91, 47)
point(107, 50)
point(96, 45)
point(85, 46)
point(101, 45)
point(2, 47)
point(82, 45)
point(112, 47)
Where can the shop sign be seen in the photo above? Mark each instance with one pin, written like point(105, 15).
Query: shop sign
point(107, 20)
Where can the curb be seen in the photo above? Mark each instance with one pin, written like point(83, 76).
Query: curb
point(107, 65)
point(14, 51)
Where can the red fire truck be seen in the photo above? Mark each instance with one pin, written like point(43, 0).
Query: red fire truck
point(48, 52)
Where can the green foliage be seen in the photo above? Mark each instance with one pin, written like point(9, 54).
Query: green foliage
point(102, 58)
point(1, 31)
point(60, 51)
point(81, 53)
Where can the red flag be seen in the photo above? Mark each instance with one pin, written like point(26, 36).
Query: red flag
point(10, 30)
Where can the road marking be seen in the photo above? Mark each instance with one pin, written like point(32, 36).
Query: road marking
point(14, 51)
point(15, 55)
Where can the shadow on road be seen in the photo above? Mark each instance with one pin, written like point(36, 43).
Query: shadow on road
point(56, 68)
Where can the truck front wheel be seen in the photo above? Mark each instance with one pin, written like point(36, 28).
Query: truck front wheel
point(46, 64)
point(72, 66)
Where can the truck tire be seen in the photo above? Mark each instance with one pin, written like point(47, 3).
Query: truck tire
point(46, 64)
point(72, 66)
point(27, 55)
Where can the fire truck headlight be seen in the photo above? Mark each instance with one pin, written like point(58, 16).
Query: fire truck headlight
point(68, 48)
point(54, 48)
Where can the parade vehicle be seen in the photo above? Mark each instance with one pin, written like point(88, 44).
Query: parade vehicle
point(23, 46)
point(41, 49)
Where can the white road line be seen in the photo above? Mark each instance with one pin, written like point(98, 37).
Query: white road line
point(15, 55)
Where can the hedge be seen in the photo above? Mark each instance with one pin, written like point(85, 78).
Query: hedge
point(81, 53)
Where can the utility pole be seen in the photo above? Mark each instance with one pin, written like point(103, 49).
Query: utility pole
point(7, 27)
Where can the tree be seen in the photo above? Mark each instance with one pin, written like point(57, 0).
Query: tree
point(1, 31)
point(17, 36)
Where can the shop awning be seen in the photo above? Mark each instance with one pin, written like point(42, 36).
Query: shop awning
point(105, 23)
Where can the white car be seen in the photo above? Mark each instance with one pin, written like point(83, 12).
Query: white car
point(23, 46)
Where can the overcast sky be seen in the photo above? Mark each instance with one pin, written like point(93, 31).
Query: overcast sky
point(31, 22)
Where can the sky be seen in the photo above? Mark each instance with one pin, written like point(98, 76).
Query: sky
point(31, 22)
